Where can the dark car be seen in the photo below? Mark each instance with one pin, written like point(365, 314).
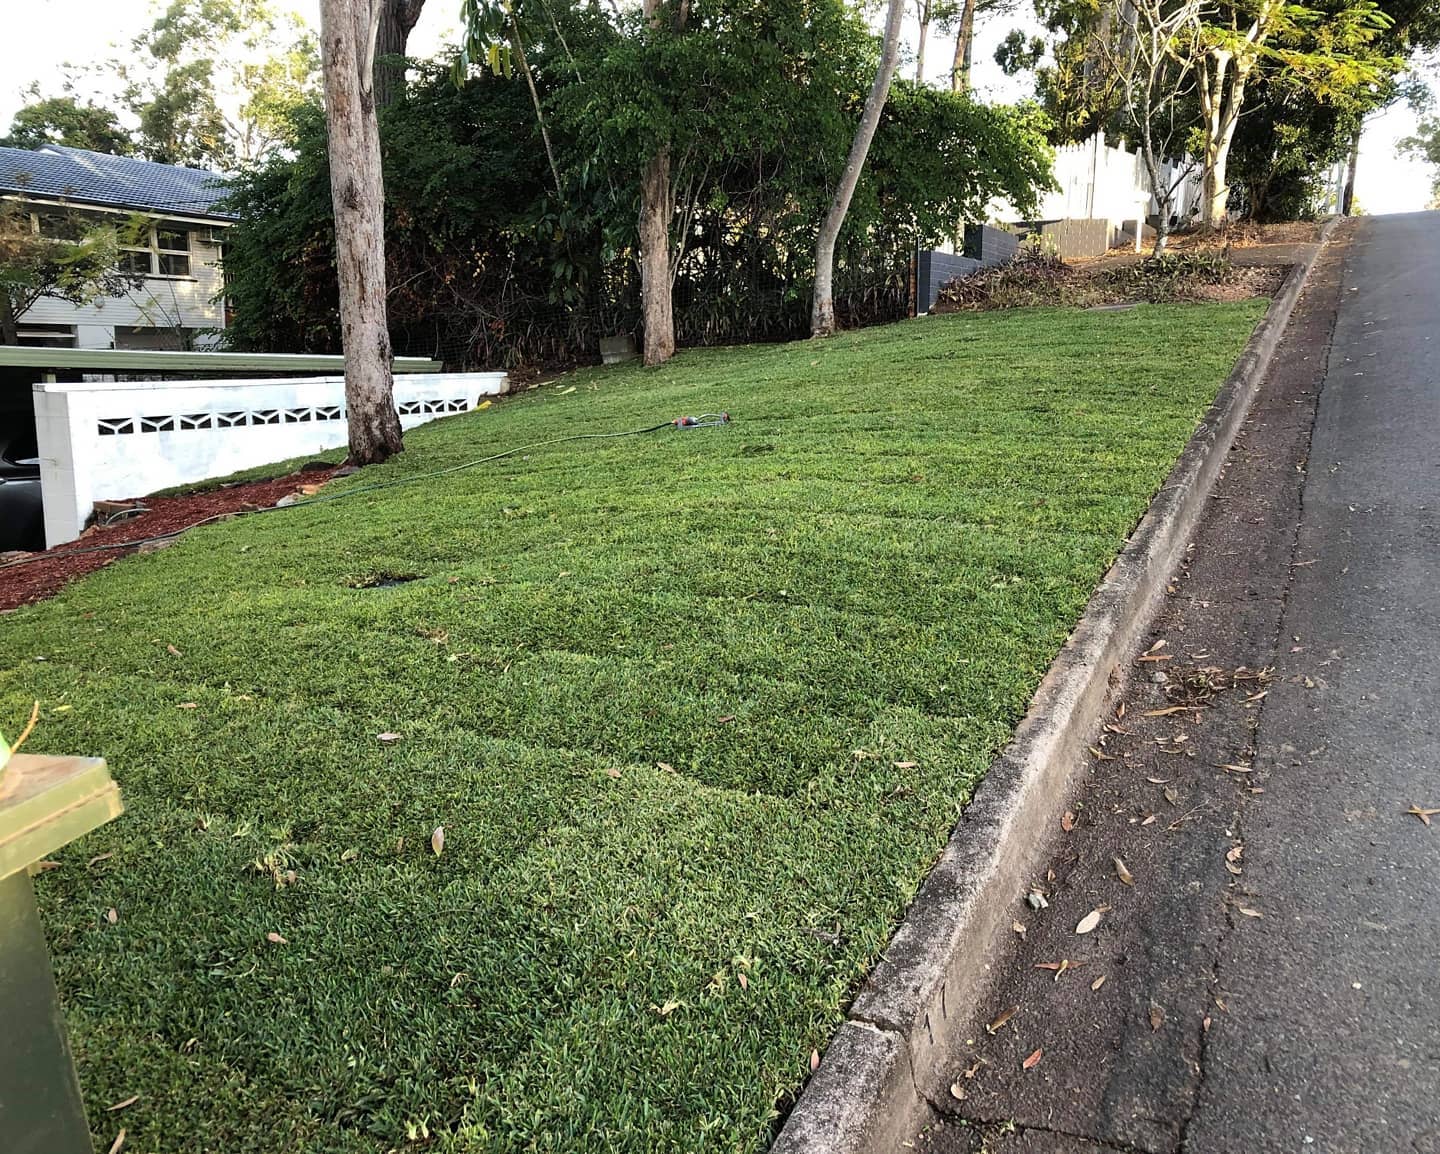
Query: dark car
point(22, 514)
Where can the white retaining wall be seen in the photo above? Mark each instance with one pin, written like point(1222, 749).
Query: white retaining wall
point(116, 440)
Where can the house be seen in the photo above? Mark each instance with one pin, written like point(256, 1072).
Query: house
point(178, 246)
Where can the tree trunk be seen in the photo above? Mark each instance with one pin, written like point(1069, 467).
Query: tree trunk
point(9, 329)
point(924, 37)
point(397, 21)
point(822, 314)
point(519, 46)
point(656, 209)
point(964, 44)
point(357, 190)
point(1348, 200)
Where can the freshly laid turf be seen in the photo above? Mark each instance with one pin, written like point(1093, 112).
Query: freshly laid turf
point(692, 708)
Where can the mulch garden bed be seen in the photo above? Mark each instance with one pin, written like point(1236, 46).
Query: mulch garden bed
point(39, 575)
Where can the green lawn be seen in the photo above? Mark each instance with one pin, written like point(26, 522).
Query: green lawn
point(691, 707)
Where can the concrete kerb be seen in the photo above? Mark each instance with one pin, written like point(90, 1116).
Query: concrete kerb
point(869, 1093)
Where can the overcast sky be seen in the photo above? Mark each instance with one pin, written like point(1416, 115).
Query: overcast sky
point(41, 36)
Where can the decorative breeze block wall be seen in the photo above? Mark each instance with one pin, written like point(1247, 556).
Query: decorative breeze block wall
point(117, 440)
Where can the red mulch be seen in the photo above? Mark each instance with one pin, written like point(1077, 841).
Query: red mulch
point(51, 570)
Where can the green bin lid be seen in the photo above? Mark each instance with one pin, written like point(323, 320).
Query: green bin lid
point(47, 802)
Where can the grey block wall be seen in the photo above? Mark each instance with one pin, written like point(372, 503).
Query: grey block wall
point(933, 269)
point(990, 245)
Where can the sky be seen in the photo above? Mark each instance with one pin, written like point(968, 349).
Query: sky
point(41, 36)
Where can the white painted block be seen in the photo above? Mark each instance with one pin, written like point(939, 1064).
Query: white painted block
point(121, 439)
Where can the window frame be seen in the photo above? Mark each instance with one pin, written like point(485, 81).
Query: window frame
point(155, 254)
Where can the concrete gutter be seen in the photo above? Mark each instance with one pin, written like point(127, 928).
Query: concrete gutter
point(869, 1093)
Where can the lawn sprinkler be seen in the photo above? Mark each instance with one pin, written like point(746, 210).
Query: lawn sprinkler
point(703, 421)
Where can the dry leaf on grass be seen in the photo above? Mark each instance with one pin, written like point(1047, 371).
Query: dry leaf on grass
point(276, 939)
point(437, 840)
point(112, 916)
point(170, 649)
point(388, 738)
point(118, 1143)
point(743, 980)
point(814, 1060)
point(1033, 1060)
point(130, 1101)
point(905, 764)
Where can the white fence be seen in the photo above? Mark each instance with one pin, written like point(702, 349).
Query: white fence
point(1100, 182)
point(114, 440)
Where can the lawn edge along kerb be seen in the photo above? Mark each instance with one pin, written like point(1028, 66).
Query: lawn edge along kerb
point(869, 1092)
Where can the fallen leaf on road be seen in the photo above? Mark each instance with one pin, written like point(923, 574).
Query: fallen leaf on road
point(1033, 1060)
point(1148, 820)
point(1171, 709)
point(1059, 967)
point(1172, 795)
point(957, 1091)
point(1157, 1017)
point(1000, 1019)
point(1235, 768)
point(1250, 913)
point(1155, 657)
point(1423, 814)
point(1205, 1023)
point(975, 1069)
point(130, 1101)
point(1159, 645)
point(1122, 872)
point(1159, 780)
point(1018, 927)
point(1100, 755)
point(1091, 920)
point(1097, 983)
point(1119, 711)
point(1067, 822)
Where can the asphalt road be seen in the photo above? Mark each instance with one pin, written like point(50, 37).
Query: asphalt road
point(1271, 979)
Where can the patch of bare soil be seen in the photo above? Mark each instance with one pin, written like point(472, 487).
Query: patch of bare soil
point(31, 577)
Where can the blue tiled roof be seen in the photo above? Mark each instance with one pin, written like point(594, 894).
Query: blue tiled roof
point(75, 174)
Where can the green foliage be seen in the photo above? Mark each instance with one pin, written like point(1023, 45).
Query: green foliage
point(824, 621)
point(79, 270)
point(67, 120)
point(1425, 145)
point(209, 83)
point(757, 105)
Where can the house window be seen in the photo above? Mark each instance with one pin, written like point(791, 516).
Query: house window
point(172, 248)
point(167, 253)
